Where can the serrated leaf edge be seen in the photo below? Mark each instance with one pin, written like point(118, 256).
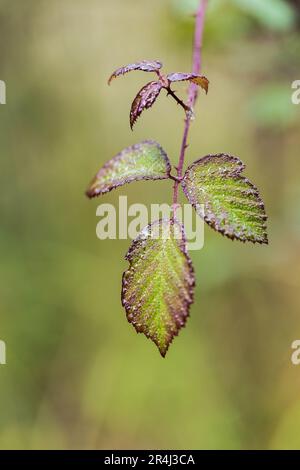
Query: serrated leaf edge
point(133, 117)
point(188, 303)
point(92, 194)
point(133, 67)
point(189, 77)
point(236, 175)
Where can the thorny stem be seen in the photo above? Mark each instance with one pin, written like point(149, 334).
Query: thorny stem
point(192, 94)
point(170, 92)
point(178, 100)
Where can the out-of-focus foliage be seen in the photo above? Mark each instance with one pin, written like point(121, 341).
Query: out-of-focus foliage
point(77, 376)
point(272, 108)
point(277, 15)
point(231, 19)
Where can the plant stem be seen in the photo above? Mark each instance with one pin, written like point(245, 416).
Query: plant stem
point(178, 100)
point(192, 94)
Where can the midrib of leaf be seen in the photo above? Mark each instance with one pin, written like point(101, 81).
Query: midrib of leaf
point(234, 206)
point(131, 169)
point(162, 284)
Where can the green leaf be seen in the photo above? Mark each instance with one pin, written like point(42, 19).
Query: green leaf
point(158, 286)
point(225, 199)
point(143, 161)
point(276, 15)
point(271, 108)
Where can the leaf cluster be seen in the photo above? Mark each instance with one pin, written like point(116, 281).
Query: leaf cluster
point(158, 286)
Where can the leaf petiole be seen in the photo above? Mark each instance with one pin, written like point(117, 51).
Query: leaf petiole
point(172, 93)
point(176, 178)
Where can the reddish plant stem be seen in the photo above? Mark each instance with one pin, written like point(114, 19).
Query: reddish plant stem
point(178, 100)
point(192, 94)
point(166, 86)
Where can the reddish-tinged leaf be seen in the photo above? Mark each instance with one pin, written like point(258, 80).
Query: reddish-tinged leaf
point(199, 80)
point(146, 160)
point(158, 286)
point(225, 199)
point(145, 98)
point(144, 65)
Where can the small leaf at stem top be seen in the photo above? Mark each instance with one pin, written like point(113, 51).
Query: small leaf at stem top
point(144, 65)
point(225, 199)
point(146, 160)
point(158, 286)
point(199, 80)
point(145, 98)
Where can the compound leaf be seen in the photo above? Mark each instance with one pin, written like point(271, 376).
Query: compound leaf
point(145, 98)
point(146, 160)
point(199, 80)
point(225, 199)
point(158, 287)
point(144, 65)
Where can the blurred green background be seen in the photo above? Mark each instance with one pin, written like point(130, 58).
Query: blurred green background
point(77, 374)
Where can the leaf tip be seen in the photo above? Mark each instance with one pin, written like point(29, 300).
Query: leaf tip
point(111, 78)
point(163, 352)
point(91, 191)
point(88, 193)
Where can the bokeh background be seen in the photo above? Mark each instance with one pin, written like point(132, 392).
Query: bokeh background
point(77, 374)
